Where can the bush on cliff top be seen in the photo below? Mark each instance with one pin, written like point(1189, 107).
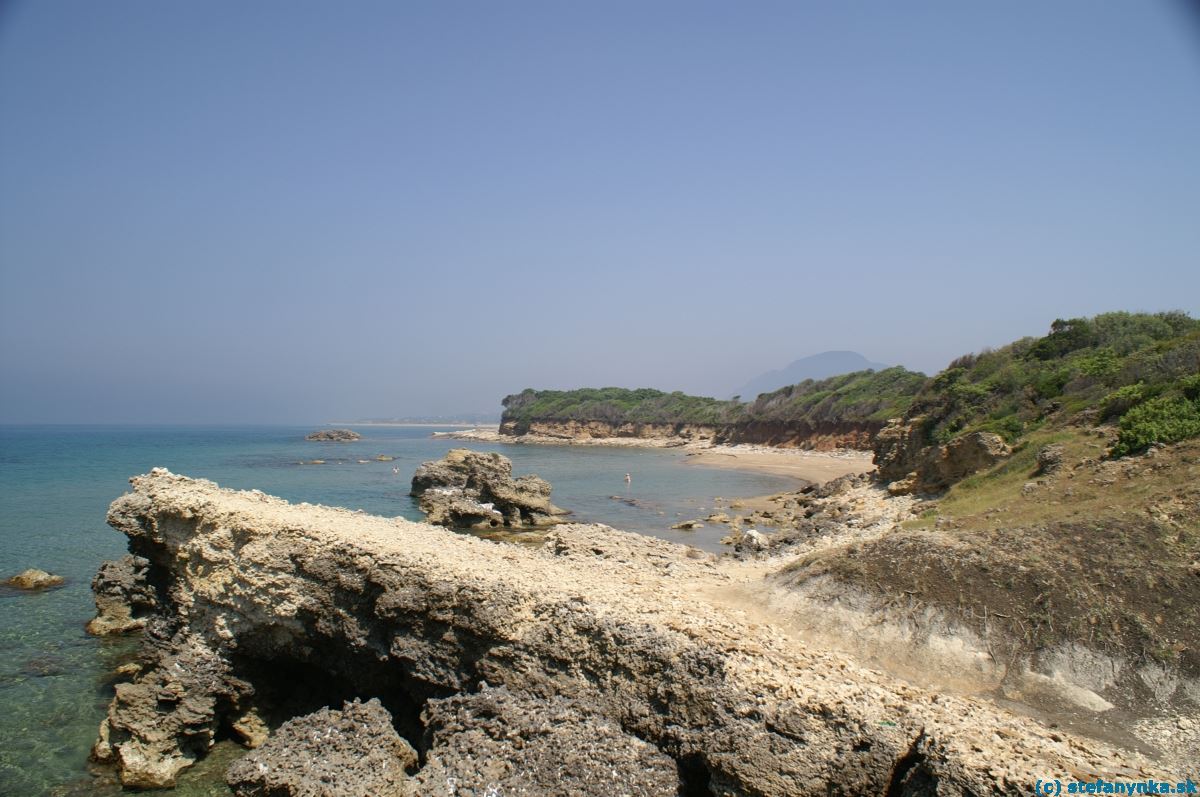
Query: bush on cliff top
point(1166, 419)
point(861, 397)
point(1104, 368)
point(616, 405)
point(1097, 368)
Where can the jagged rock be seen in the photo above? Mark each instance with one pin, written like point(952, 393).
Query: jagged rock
point(451, 507)
point(688, 525)
point(718, 517)
point(251, 729)
point(903, 458)
point(124, 596)
point(161, 723)
point(898, 447)
point(626, 629)
point(34, 579)
point(552, 747)
point(941, 466)
point(752, 540)
point(334, 436)
point(905, 486)
point(329, 753)
point(1049, 459)
point(472, 489)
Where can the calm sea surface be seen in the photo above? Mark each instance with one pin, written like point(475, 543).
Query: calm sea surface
point(56, 484)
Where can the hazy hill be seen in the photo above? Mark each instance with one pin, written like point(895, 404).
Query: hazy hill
point(818, 366)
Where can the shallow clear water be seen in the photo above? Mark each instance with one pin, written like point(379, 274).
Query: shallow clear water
point(56, 484)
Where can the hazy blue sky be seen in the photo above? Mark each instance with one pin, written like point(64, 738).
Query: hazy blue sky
point(297, 211)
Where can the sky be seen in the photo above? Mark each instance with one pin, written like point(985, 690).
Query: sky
point(288, 211)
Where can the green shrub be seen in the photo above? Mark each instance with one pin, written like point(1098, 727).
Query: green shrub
point(1099, 364)
point(1122, 400)
point(1165, 419)
point(1189, 386)
point(1010, 427)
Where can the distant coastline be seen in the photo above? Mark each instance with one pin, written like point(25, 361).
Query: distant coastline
point(418, 424)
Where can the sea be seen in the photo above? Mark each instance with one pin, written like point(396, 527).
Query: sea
point(56, 483)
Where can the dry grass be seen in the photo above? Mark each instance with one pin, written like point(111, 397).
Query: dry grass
point(1106, 553)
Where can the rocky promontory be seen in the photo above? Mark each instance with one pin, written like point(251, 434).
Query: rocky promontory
point(334, 436)
point(600, 663)
point(470, 489)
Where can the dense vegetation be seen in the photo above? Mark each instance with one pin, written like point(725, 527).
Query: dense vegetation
point(617, 405)
point(1138, 369)
point(864, 396)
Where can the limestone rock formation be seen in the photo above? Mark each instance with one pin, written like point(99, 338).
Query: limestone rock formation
point(617, 635)
point(334, 436)
point(904, 458)
point(167, 718)
point(34, 579)
point(941, 466)
point(469, 489)
point(552, 747)
point(124, 597)
point(1049, 459)
point(331, 753)
point(897, 447)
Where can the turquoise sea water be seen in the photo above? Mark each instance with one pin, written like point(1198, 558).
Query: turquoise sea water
point(56, 484)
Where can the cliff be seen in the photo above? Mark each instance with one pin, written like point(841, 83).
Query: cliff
point(500, 663)
point(820, 437)
point(840, 412)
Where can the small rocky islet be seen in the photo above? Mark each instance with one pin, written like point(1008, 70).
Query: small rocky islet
point(473, 490)
point(34, 580)
point(334, 436)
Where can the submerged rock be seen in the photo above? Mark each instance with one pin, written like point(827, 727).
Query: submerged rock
point(334, 436)
point(347, 753)
point(34, 579)
point(470, 489)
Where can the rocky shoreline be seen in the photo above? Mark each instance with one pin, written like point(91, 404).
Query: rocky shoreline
point(498, 664)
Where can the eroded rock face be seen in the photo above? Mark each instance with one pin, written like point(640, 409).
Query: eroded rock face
point(334, 436)
point(33, 580)
point(469, 489)
point(898, 447)
point(941, 466)
point(124, 597)
point(614, 636)
point(903, 458)
point(167, 718)
point(346, 753)
point(552, 747)
point(1049, 459)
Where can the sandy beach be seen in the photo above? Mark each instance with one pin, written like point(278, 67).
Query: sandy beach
point(798, 463)
point(809, 466)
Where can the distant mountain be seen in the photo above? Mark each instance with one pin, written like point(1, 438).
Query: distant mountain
point(818, 366)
